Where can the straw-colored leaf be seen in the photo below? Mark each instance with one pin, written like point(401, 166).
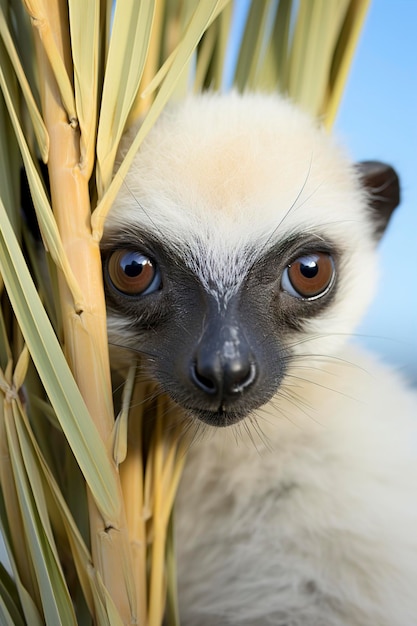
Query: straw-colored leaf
point(35, 116)
point(15, 531)
point(205, 56)
point(315, 37)
point(163, 71)
point(82, 557)
point(202, 17)
point(10, 599)
point(252, 44)
point(9, 152)
point(29, 608)
point(55, 598)
point(55, 374)
point(103, 604)
point(84, 18)
point(209, 72)
point(155, 54)
point(222, 45)
point(9, 613)
point(345, 50)
point(112, 613)
point(173, 612)
point(39, 16)
point(21, 369)
point(121, 423)
point(5, 352)
point(126, 60)
point(46, 219)
point(273, 71)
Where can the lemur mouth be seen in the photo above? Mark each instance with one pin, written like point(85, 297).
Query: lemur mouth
point(220, 418)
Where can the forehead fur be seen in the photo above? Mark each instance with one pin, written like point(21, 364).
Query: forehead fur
point(213, 162)
point(222, 177)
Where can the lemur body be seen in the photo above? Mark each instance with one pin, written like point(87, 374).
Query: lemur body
point(239, 257)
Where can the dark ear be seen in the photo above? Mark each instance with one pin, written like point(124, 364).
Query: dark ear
point(383, 186)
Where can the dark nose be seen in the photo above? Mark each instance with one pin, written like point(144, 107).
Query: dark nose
point(223, 365)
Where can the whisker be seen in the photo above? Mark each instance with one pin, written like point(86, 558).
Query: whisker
point(258, 429)
point(133, 349)
point(140, 205)
point(316, 384)
point(291, 208)
point(329, 358)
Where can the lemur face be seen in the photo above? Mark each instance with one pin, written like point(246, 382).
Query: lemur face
point(242, 239)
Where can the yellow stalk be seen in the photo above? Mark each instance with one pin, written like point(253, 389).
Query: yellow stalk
point(132, 480)
point(84, 330)
point(39, 16)
point(175, 477)
point(157, 579)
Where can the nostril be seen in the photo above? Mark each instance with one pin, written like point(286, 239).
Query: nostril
point(240, 379)
point(203, 380)
point(231, 378)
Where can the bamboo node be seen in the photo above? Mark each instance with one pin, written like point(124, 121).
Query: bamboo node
point(109, 528)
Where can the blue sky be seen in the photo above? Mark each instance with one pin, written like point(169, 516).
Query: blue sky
point(378, 120)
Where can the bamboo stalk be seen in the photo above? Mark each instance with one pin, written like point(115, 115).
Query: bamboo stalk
point(40, 19)
point(156, 593)
point(132, 480)
point(84, 329)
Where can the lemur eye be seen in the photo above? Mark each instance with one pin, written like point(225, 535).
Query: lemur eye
point(309, 276)
point(133, 273)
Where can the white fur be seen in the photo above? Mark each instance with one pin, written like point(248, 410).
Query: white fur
point(313, 523)
point(328, 505)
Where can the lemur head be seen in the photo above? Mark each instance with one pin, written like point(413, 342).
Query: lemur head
point(242, 238)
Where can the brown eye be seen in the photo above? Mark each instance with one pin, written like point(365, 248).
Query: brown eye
point(133, 273)
point(309, 276)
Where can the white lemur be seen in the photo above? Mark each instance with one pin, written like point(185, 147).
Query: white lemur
point(238, 258)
